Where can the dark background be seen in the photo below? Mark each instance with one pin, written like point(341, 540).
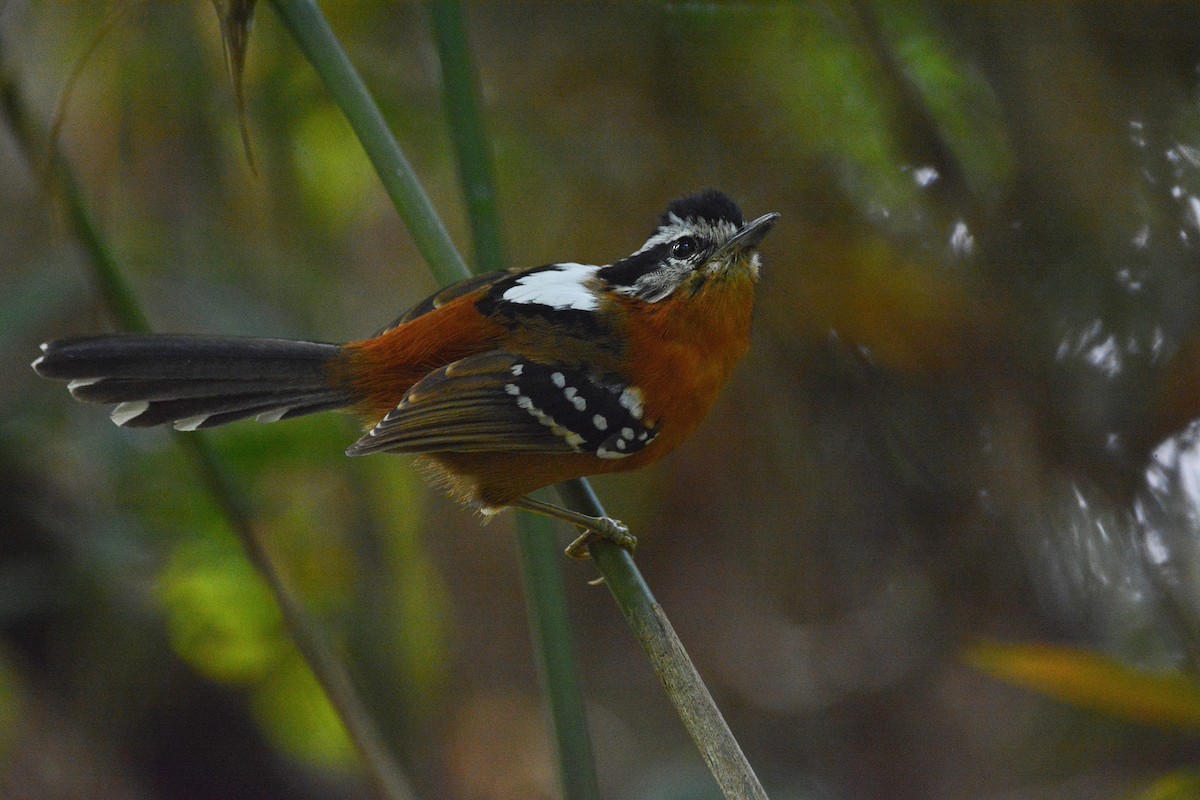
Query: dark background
point(965, 414)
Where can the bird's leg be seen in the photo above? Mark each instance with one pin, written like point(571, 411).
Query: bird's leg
point(594, 528)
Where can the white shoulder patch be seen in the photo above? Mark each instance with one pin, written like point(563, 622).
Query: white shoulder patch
point(562, 286)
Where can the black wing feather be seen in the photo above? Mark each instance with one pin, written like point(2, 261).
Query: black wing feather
point(444, 296)
point(501, 402)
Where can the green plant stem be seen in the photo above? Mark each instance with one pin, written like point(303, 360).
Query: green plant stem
point(314, 645)
point(234, 506)
point(550, 627)
point(670, 660)
point(316, 40)
point(460, 92)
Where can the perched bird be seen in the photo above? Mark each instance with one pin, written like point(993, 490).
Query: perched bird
point(503, 383)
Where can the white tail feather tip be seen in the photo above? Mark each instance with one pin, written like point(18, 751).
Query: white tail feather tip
point(190, 423)
point(79, 383)
point(273, 416)
point(125, 412)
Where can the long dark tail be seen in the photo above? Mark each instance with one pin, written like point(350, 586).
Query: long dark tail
point(197, 381)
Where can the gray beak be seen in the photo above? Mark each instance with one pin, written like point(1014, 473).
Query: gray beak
point(749, 236)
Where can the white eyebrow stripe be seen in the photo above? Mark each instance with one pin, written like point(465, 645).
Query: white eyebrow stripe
point(665, 233)
point(562, 286)
point(716, 232)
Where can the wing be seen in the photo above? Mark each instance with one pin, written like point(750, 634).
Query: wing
point(444, 296)
point(502, 402)
point(561, 294)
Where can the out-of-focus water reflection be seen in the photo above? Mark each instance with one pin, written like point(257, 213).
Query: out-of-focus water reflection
point(962, 243)
point(1089, 564)
point(1167, 514)
point(1127, 576)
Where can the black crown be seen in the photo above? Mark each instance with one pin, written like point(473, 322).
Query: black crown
point(709, 205)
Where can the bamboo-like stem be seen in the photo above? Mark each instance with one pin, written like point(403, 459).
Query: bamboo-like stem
point(460, 91)
point(312, 642)
point(549, 624)
point(685, 687)
point(123, 305)
point(311, 31)
point(550, 628)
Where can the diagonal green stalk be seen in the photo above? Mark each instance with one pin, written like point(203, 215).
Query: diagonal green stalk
point(679, 676)
point(672, 664)
point(311, 31)
point(225, 493)
point(549, 623)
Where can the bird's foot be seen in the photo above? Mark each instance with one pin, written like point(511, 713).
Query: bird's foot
point(602, 529)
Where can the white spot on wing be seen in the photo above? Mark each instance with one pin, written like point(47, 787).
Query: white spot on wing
point(190, 423)
point(562, 286)
point(125, 412)
point(600, 422)
point(631, 399)
point(572, 438)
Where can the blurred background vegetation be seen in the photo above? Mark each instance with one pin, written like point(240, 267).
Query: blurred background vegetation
point(967, 414)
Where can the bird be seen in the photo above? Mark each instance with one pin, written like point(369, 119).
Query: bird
point(501, 384)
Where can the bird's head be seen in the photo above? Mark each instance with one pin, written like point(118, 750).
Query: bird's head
point(700, 237)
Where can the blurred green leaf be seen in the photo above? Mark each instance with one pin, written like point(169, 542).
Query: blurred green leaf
point(1176, 786)
point(1094, 682)
point(296, 714)
point(220, 616)
point(336, 180)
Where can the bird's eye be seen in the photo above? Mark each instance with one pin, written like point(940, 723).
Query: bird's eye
point(682, 248)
